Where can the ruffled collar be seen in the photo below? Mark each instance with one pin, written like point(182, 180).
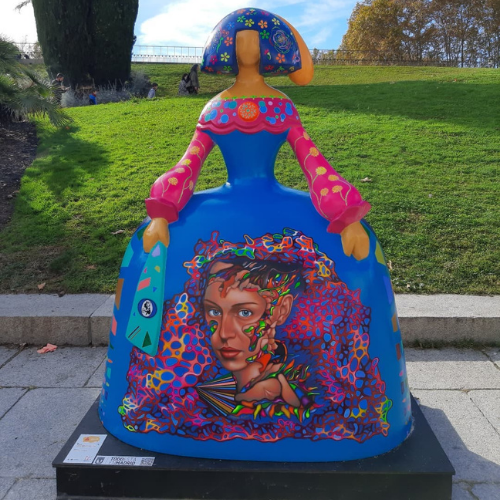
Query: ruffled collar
point(249, 115)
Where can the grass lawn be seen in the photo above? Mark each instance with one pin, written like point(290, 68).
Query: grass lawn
point(428, 138)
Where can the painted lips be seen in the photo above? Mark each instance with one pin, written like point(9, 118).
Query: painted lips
point(229, 352)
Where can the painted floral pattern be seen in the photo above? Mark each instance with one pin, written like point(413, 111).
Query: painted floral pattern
point(333, 197)
point(277, 43)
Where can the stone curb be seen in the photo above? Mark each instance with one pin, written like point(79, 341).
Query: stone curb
point(84, 319)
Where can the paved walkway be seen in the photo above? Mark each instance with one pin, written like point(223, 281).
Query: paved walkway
point(44, 397)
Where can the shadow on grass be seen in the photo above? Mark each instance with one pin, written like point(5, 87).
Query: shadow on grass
point(34, 246)
point(470, 105)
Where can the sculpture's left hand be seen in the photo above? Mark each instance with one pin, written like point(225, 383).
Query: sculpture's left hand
point(355, 241)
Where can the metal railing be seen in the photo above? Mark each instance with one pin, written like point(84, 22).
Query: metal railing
point(166, 54)
point(191, 55)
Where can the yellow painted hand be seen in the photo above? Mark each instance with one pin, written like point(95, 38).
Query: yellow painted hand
point(156, 231)
point(355, 241)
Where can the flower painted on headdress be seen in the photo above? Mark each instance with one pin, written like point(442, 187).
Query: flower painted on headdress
point(224, 57)
point(280, 58)
point(275, 21)
point(264, 34)
point(186, 162)
point(173, 181)
point(321, 170)
point(229, 41)
point(181, 170)
point(208, 68)
point(240, 11)
point(230, 26)
point(264, 12)
point(191, 185)
point(228, 68)
point(313, 152)
point(267, 53)
point(249, 22)
point(336, 189)
point(194, 150)
point(263, 24)
point(281, 68)
point(333, 178)
point(241, 19)
point(324, 192)
point(306, 136)
point(251, 12)
point(296, 57)
point(281, 41)
point(213, 59)
point(269, 68)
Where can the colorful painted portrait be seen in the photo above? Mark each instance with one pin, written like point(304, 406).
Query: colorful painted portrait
point(264, 342)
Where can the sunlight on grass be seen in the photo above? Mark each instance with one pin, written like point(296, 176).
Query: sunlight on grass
point(427, 138)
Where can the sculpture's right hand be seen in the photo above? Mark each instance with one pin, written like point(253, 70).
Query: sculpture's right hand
point(156, 231)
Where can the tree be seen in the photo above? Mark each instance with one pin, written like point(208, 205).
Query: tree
point(22, 91)
point(87, 40)
point(374, 30)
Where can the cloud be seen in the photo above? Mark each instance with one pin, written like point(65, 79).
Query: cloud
point(17, 26)
point(189, 22)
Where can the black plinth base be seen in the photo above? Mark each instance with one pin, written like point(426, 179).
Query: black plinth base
point(418, 469)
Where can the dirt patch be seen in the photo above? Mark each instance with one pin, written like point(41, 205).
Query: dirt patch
point(17, 151)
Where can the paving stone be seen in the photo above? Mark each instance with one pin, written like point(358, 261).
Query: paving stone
point(33, 489)
point(466, 436)
point(66, 367)
point(34, 431)
point(100, 322)
point(98, 376)
point(460, 492)
point(494, 354)
point(5, 485)
point(38, 319)
point(6, 353)
point(487, 491)
point(450, 369)
point(489, 404)
point(8, 398)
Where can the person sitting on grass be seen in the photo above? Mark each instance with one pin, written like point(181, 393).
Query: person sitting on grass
point(93, 98)
point(152, 91)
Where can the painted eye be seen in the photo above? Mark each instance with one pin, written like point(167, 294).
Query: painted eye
point(245, 313)
point(213, 312)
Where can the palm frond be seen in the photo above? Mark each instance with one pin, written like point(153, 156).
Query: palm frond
point(22, 4)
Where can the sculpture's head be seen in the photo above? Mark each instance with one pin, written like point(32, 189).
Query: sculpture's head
point(255, 37)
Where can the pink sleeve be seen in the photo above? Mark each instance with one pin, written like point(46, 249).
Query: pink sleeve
point(333, 197)
point(170, 192)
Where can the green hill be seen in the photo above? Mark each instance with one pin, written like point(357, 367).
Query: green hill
point(427, 138)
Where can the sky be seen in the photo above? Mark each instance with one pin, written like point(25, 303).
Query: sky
point(321, 23)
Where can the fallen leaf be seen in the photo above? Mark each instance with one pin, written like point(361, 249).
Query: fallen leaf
point(41, 286)
point(47, 348)
point(61, 293)
point(120, 231)
point(430, 195)
point(91, 267)
point(366, 179)
point(389, 265)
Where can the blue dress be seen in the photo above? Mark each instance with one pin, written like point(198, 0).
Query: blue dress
point(337, 363)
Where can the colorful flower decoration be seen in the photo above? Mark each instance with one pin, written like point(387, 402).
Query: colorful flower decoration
point(248, 111)
point(276, 40)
